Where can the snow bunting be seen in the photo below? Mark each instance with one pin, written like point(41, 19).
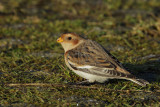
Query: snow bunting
point(93, 62)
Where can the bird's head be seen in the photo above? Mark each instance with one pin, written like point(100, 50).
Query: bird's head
point(69, 41)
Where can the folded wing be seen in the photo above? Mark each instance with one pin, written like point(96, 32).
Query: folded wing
point(92, 58)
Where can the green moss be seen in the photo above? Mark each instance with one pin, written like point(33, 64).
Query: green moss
point(29, 52)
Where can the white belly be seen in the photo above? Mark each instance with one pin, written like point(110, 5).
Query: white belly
point(91, 77)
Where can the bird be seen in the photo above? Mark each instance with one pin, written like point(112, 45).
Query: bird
point(92, 61)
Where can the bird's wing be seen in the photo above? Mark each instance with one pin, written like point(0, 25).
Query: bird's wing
point(91, 58)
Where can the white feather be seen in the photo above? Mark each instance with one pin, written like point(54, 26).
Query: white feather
point(85, 66)
point(91, 78)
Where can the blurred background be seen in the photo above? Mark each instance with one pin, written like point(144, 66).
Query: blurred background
point(103, 20)
point(129, 29)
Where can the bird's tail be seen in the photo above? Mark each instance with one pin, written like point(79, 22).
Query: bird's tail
point(141, 82)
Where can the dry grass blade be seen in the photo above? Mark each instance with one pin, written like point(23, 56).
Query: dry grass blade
point(73, 86)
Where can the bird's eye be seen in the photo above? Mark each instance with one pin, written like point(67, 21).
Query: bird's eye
point(69, 38)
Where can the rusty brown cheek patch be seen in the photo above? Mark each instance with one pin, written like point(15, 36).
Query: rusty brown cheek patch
point(75, 42)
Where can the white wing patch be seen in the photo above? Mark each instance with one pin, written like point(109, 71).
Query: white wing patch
point(80, 66)
point(88, 66)
point(85, 66)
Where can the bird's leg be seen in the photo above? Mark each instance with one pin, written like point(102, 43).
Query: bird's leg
point(85, 82)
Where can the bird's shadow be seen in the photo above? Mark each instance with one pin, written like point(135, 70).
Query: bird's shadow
point(149, 71)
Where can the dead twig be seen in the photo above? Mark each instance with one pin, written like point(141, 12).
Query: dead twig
point(72, 86)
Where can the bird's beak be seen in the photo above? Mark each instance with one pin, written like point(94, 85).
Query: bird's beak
point(59, 40)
